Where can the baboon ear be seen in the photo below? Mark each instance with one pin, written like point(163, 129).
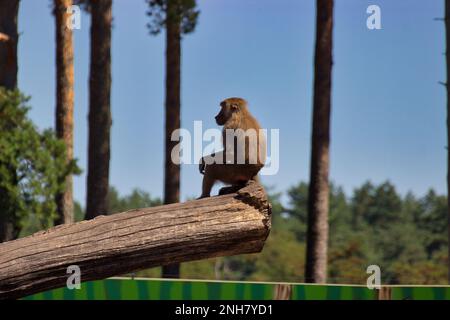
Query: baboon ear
point(234, 106)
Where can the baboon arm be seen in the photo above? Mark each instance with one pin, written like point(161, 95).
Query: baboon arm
point(4, 37)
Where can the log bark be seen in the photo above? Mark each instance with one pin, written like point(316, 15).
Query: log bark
point(225, 225)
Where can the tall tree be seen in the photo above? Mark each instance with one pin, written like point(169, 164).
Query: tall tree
point(9, 37)
point(9, 10)
point(64, 101)
point(99, 108)
point(177, 17)
point(318, 201)
point(447, 55)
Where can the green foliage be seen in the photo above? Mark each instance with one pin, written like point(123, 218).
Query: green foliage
point(32, 167)
point(401, 235)
point(282, 259)
point(183, 12)
point(349, 258)
point(137, 199)
point(78, 212)
point(430, 215)
point(117, 203)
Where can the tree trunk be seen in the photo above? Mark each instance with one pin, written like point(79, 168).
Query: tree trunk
point(117, 244)
point(172, 121)
point(99, 109)
point(9, 37)
point(9, 10)
point(447, 56)
point(318, 201)
point(384, 293)
point(282, 291)
point(64, 101)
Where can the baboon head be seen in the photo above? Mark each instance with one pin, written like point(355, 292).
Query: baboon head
point(229, 108)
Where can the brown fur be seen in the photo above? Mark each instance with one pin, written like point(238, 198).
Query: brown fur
point(234, 115)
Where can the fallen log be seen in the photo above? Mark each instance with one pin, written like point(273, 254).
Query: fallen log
point(111, 245)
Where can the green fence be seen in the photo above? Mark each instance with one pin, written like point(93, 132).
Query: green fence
point(156, 289)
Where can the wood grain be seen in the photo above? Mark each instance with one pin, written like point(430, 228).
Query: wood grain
point(112, 245)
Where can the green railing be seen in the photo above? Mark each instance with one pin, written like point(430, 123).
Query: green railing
point(156, 289)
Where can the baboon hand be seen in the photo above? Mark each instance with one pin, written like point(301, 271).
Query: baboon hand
point(201, 166)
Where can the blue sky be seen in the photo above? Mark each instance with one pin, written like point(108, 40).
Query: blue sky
point(388, 117)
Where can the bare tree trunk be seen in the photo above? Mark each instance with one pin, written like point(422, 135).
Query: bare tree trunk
point(172, 121)
point(64, 102)
point(447, 56)
point(384, 293)
point(282, 291)
point(318, 201)
point(99, 109)
point(9, 10)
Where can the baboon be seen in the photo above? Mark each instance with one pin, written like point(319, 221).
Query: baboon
point(244, 151)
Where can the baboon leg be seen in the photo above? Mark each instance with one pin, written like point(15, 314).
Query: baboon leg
point(230, 189)
point(208, 183)
point(256, 179)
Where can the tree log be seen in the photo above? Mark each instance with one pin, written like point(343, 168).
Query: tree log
point(225, 225)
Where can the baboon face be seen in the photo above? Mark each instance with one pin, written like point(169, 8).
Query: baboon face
point(227, 108)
